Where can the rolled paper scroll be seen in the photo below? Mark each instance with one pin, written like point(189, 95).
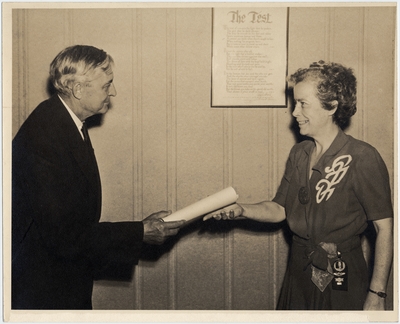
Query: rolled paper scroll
point(216, 201)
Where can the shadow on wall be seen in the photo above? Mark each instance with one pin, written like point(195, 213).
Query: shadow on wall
point(113, 273)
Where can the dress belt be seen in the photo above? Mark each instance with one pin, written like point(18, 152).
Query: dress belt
point(321, 251)
point(319, 256)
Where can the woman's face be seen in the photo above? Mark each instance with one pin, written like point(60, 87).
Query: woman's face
point(311, 117)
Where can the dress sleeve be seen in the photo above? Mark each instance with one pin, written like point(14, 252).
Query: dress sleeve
point(280, 197)
point(371, 185)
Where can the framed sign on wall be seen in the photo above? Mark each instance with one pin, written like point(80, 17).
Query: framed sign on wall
point(249, 57)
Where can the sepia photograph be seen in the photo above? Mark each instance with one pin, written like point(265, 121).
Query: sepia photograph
point(200, 162)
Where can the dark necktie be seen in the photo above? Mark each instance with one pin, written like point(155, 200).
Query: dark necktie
point(86, 140)
point(85, 134)
point(96, 174)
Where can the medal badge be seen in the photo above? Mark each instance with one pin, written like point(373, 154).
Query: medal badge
point(304, 195)
point(340, 273)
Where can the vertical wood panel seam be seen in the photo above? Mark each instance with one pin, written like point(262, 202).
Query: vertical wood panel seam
point(26, 69)
point(364, 76)
point(270, 238)
point(19, 53)
point(330, 22)
point(23, 84)
point(275, 169)
point(68, 27)
point(394, 156)
point(171, 144)
point(228, 238)
point(137, 139)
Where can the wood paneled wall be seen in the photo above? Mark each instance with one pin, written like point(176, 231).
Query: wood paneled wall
point(162, 146)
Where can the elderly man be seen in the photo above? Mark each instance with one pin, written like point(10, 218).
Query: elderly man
point(58, 244)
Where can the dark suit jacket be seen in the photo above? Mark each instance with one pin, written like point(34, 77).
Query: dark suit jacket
point(58, 243)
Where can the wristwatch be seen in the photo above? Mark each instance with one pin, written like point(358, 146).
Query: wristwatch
point(379, 293)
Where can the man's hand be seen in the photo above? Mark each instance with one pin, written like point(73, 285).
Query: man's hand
point(156, 231)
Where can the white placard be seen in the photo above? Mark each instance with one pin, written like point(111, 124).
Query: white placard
point(249, 57)
point(216, 201)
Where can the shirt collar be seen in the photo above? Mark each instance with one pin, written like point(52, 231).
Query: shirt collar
point(340, 140)
point(76, 120)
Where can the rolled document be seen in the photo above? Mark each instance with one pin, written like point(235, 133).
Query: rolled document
point(216, 201)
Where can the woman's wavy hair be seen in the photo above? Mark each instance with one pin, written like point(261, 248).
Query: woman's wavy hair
point(76, 62)
point(333, 82)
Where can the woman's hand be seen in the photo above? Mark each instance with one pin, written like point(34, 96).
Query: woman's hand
point(227, 213)
point(265, 211)
point(374, 302)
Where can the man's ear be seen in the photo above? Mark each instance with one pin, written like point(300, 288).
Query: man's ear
point(334, 105)
point(77, 90)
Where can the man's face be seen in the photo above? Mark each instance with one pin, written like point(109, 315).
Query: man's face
point(96, 93)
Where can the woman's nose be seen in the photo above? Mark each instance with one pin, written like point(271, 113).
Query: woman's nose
point(296, 109)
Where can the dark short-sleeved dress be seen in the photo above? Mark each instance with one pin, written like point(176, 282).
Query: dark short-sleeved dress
point(348, 187)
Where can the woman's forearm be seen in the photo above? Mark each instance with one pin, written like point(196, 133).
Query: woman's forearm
point(265, 211)
point(382, 263)
point(383, 254)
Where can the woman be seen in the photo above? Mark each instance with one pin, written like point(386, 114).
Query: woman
point(332, 186)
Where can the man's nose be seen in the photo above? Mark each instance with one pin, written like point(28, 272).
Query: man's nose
point(113, 91)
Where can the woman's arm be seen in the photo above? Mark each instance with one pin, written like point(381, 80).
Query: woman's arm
point(382, 263)
point(265, 211)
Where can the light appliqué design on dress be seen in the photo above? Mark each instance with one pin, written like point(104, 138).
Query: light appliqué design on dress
point(325, 187)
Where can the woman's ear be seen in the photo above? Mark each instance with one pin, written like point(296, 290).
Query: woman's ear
point(334, 106)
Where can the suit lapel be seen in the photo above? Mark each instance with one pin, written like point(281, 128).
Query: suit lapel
point(72, 138)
